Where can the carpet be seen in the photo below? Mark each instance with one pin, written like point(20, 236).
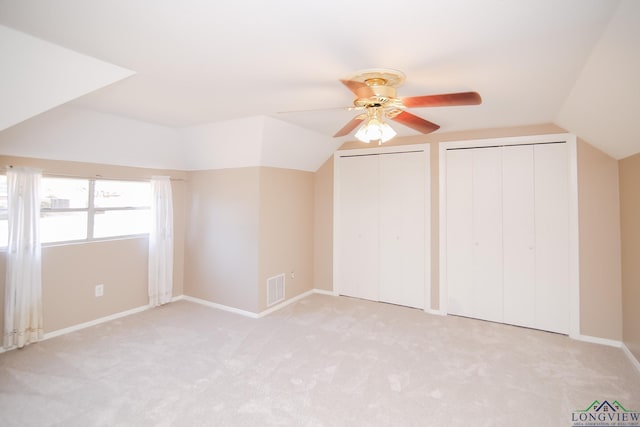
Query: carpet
point(322, 361)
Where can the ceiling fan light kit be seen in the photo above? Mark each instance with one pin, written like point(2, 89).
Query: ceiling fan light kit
point(375, 91)
point(374, 129)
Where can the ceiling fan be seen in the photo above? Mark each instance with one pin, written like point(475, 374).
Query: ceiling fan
point(375, 91)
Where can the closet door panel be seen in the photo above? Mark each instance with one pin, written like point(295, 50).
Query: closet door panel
point(459, 229)
point(552, 237)
point(358, 238)
point(518, 230)
point(402, 228)
point(487, 234)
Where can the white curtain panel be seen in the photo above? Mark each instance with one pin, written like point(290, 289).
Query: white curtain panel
point(23, 284)
point(161, 242)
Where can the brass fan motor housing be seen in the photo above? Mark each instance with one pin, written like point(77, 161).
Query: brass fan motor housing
point(382, 96)
point(382, 83)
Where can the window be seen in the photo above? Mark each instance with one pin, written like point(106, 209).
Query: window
point(64, 209)
point(121, 208)
point(73, 209)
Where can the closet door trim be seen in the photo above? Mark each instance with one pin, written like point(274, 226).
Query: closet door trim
point(383, 150)
point(574, 278)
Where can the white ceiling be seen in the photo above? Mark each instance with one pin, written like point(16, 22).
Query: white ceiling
point(41, 75)
point(198, 61)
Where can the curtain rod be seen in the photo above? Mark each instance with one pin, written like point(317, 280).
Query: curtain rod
point(98, 176)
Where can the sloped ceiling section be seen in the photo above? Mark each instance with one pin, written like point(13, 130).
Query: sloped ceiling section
point(603, 108)
point(272, 68)
point(38, 75)
point(255, 141)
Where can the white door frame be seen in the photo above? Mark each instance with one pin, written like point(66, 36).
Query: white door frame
point(574, 272)
point(425, 148)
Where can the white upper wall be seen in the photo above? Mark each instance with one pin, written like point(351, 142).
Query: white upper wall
point(69, 133)
point(255, 141)
point(38, 75)
point(77, 134)
point(220, 145)
point(288, 146)
point(602, 108)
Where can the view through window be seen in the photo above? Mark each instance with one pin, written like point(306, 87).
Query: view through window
point(74, 210)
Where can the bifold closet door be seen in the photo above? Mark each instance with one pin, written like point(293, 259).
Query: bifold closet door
point(487, 234)
point(359, 227)
point(402, 228)
point(507, 245)
point(474, 233)
point(536, 236)
point(381, 235)
point(552, 237)
point(519, 238)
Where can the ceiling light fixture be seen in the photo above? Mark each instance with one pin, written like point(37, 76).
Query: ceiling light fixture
point(374, 129)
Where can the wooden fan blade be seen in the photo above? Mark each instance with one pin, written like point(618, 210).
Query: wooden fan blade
point(360, 89)
point(443, 100)
point(346, 130)
point(415, 122)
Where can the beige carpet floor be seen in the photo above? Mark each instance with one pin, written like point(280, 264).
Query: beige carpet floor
point(323, 361)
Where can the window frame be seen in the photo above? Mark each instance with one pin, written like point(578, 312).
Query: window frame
point(91, 211)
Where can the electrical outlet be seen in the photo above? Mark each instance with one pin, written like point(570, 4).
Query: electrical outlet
point(99, 290)
point(293, 274)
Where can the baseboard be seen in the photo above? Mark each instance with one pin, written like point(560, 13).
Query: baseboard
point(285, 303)
point(250, 313)
point(220, 306)
point(223, 307)
point(59, 332)
point(597, 340)
point(84, 325)
point(324, 292)
point(631, 357)
point(64, 331)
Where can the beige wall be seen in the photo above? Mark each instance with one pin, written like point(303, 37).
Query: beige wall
point(323, 227)
point(221, 253)
point(239, 218)
point(70, 272)
point(599, 239)
point(246, 225)
point(286, 231)
point(629, 169)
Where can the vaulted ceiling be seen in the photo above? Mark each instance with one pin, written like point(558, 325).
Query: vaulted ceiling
point(575, 63)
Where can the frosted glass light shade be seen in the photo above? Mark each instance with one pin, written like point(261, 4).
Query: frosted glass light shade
point(375, 130)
